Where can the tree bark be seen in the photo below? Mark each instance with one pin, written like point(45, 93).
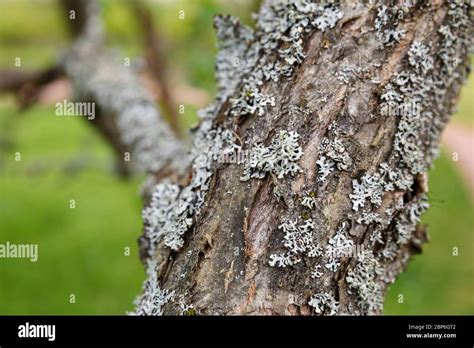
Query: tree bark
point(322, 220)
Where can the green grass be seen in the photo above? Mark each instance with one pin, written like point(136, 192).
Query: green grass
point(31, 31)
point(25, 21)
point(81, 250)
point(32, 56)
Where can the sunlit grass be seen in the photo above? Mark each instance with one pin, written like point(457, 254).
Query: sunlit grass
point(81, 250)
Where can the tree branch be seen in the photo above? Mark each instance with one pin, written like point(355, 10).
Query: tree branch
point(156, 63)
point(335, 112)
point(126, 113)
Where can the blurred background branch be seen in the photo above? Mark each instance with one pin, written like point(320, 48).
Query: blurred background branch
point(156, 62)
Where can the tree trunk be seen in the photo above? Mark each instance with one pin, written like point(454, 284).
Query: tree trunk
point(308, 173)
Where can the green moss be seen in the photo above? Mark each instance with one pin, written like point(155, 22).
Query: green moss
point(190, 311)
point(305, 215)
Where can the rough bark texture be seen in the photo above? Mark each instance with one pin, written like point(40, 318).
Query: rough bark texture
point(362, 177)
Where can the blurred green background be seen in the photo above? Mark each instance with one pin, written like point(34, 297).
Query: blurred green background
point(82, 250)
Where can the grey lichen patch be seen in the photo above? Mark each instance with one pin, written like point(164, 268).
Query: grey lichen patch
point(279, 158)
point(298, 111)
point(351, 69)
point(309, 200)
point(338, 247)
point(324, 302)
point(169, 213)
point(282, 27)
point(185, 308)
point(333, 156)
point(371, 187)
point(409, 137)
point(409, 217)
point(153, 297)
point(386, 23)
point(233, 58)
point(298, 240)
point(362, 278)
point(251, 100)
point(419, 58)
point(316, 273)
point(325, 167)
point(162, 218)
point(424, 84)
point(369, 218)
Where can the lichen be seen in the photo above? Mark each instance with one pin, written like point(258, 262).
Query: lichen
point(429, 72)
point(163, 219)
point(279, 158)
point(338, 246)
point(350, 69)
point(386, 23)
point(153, 297)
point(324, 301)
point(362, 278)
point(309, 200)
point(298, 240)
point(118, 93)
point(233, 58)
point(185, 308)
point(369, 218)
point(325, 168)
point(169, 214)
point(316, 272)
point(282, 26)
point(333, 154)
point(424, 83)
point(369, 188)
point(409, 217)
